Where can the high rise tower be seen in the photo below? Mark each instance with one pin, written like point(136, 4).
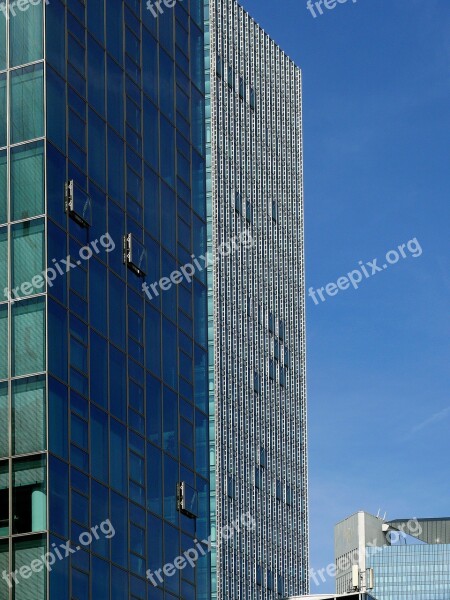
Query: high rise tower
point(257, 311)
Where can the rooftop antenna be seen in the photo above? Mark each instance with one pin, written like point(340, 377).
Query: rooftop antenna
point(378, 513)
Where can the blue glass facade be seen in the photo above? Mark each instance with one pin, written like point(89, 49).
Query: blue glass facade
point(103, 392)
point(411, 572)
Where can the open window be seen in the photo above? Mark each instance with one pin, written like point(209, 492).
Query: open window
point(242, 88)
point(281, 330)
point(29, 506)
point(219, 66)
point(282, 377)
point(187, 500)
point(249, 212)
point(258, 478)
point(230, 77)
point(135, 255)
point(4, 499)
point(271, 323)
point(272, 370)
point(238, 202)
point(78, 204)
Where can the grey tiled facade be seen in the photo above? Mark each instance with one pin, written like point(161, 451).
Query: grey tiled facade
point(257, 327)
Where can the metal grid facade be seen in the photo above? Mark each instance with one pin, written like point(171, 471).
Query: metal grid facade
point(257, 331)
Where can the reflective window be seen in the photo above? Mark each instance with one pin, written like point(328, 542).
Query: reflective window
point(28, 337)
point(3, 186)
point(27, 257)
point(99, 444)
point(3, 104)
point(58, 424)
point(27, 103)
point(57, 332)
point(3, 265)
point(24, 553)
point(3, 43)
point(27, 181)
point(26, 34)
point(28, 413)
point(118, 442)
point(59, 497)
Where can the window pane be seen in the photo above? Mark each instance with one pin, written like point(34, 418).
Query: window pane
point(118, 443)
point(3, 264)
point(25, 552)
point(119, 543)
point(28, 396)
point(2, 108)
point(29, 496)
point(28, 337)
point(59, 497)
point(3, 187)
point(27, 181)
point(28, 258)
point(97, 149)
point(154, 474)
point(96, 76)
point(25, 34)
point(99, 441)
point(4, 504)
point(56, 109)
point(167, 151)
point(55, 42)
point(58, 421)
point(2, 43)
point(57, 331)
point(99, 370)
point(117, 383)
point(99, 510)
point(115, 96)
point(27, 103)
point(4, 354)
point(4, 422)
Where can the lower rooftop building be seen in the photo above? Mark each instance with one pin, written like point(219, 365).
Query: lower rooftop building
point(403, 559)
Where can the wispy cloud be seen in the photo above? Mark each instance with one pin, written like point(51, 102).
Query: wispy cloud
point(439, 416)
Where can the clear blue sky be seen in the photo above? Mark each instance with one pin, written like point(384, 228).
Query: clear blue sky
point(376, 99)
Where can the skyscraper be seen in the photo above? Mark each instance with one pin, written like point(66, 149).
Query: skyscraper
point(152, 325)
point(257, 313)
point(103, 392)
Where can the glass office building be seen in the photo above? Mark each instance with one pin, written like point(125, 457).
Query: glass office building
point(257, 313)
point(413, 572)
point(403, 559)
point(103, 391)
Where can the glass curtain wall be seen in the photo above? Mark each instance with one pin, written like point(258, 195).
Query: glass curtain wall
point(127, 379)
point(23, 464)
